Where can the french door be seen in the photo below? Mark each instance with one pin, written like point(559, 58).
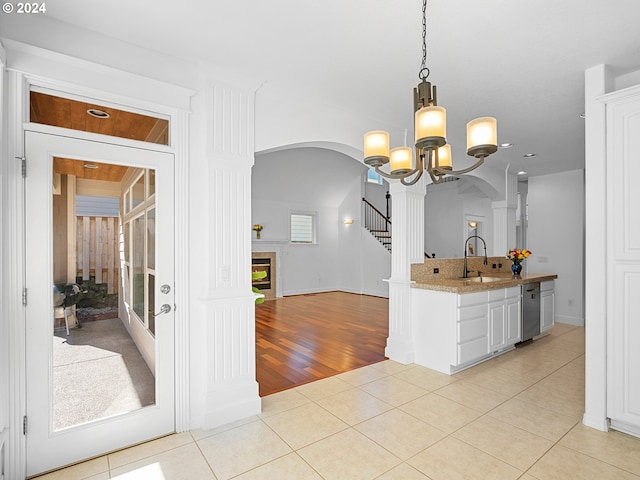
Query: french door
point(145, 256)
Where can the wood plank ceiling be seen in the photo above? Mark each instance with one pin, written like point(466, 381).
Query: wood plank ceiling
point(66, 113)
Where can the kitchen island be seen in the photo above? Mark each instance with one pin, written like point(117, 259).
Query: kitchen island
point(459, 322)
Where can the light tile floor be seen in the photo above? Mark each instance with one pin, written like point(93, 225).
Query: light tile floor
point(514, 417)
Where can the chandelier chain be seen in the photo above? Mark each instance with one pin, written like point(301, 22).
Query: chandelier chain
point(423, 74)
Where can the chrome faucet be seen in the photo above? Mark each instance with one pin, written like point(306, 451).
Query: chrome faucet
point(465, 272)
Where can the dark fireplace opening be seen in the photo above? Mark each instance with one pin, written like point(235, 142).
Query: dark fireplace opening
point(262, 265)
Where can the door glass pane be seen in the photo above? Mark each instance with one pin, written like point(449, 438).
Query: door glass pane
point(127, 204)
point(137, 192)
point(126, 246)
point(152, 182)
point(151, 238)
point(137, 265)
point(98, 369)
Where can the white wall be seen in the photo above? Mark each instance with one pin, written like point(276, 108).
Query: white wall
point(445, 210)
point(363, 262)
point(376, 195)
point(556, 238)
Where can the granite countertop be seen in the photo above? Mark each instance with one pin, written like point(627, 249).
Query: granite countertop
point(469, 285)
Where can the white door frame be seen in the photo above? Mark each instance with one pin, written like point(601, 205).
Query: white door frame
point(17, 109)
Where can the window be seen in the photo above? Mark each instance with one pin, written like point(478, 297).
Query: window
point(303, 227)
point(373, 177)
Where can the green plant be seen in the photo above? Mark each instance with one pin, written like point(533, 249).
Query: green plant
point(257, 276)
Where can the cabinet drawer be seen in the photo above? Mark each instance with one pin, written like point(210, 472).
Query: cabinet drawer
point(513, 292)
point(496, 295)
point(472, 329)
point(472, 298)
point(546, 286)
point(473, 350)
point(467, 313)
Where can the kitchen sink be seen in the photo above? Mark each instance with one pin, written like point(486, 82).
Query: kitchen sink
point(483, 279)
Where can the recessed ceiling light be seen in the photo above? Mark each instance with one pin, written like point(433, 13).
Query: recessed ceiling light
point(94, 112)
point(583, 115)
point(505, 145)
point(91, 166)
point(522, 172)
point(529, 155)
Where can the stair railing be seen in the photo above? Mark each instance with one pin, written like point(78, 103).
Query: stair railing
point(377, 223)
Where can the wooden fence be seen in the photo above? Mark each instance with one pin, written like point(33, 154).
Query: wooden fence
point(97, 250)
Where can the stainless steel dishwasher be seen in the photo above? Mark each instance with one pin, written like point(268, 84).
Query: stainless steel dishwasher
point(530, 310)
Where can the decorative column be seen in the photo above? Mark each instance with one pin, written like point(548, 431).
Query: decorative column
point(232, 389)
point(407, 247)
point(504, 217)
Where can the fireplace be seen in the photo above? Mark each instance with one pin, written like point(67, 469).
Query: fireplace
point(265, 262)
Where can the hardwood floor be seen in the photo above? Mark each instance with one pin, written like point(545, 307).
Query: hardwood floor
point(303, 338)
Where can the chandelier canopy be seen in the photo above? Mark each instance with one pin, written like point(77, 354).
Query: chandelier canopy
point(433, 153)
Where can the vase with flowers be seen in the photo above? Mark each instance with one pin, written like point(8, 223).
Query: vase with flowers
point(517, 255)
point(257, 228)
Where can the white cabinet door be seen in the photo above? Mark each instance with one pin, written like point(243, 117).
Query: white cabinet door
point(497, 326)
point(547, 310)
point(514, 317)
point(623, 263)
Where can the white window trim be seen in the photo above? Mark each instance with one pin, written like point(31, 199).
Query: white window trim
point(314, 226)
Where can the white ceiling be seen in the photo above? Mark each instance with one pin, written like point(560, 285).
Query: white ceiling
point(520, 61)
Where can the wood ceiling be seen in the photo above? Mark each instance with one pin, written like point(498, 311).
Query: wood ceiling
point(95, 171)
point(63, 112)
point(67, 113)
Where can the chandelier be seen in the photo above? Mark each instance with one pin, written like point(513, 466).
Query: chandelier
point(433, 153)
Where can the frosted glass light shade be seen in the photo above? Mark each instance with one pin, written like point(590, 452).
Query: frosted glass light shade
point(482, 136)
point(431, 127)
point(401, 160)
point(376, 145)
point(444, 158)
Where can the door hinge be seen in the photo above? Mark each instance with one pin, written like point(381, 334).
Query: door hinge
point(24, 425)
point(23, 166)
point(24, 297)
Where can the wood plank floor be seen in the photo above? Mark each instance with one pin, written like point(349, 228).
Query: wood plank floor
point(303, 338)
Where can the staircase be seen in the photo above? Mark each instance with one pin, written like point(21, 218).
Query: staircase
point(377, 223)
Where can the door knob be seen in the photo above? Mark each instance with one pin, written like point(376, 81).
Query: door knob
point(166, 308)
point(165, 289)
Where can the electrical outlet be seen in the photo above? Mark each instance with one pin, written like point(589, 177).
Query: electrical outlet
point(499, 265)
point(494, 266)
point(436, 270)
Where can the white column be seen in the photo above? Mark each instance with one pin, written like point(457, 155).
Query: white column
point(232, 389)
point(598, 80)
point(504, 217)
point(407, 247)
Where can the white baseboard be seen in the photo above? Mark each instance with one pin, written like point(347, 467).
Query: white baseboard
point(576, 321)
point(307, 291)
point(625, 427)
point(371, 293)
point(227, 404)
point(596, 421)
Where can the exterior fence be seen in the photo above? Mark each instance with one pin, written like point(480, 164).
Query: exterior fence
point(97, 250)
